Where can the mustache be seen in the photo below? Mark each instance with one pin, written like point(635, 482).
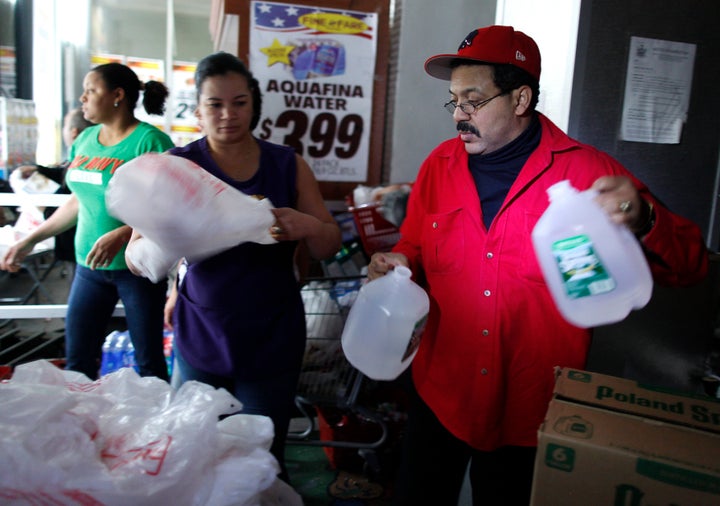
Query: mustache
point(464, 126)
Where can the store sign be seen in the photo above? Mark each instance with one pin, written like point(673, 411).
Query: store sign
point(183, 124)
point(316, 71)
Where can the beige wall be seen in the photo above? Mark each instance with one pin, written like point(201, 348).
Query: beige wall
point(419, 122)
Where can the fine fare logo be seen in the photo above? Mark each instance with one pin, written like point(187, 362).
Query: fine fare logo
point(325, 22)
point(697, 412)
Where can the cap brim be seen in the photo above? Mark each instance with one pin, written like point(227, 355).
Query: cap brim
point(439, 66)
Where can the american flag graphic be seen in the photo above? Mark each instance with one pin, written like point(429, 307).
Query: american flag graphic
point(285, 18)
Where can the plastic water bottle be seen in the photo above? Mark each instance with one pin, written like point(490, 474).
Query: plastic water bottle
point(108, 363)
point(168, 349)
point(383, 329)
point(595, 269)
point(120, 350)
point(129, 354)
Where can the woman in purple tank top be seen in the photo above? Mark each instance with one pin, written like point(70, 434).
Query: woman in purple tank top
point(238, 318)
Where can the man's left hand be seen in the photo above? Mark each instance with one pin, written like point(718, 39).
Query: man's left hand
point(622, 202)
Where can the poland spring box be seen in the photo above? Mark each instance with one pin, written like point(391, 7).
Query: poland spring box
point(609, 441)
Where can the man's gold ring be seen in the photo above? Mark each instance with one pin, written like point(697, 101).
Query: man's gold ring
point(625, 206)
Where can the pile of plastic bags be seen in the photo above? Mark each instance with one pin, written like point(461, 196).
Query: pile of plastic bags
point(127, 440)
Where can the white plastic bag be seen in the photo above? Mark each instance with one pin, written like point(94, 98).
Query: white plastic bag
point(127, 440)
point(29, 218)
point(182, 211)
point(35, 183)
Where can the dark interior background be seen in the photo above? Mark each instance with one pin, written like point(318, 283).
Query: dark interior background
point(672, 341)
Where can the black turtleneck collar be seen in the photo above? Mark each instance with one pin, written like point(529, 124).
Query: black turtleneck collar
point(520, 147)
point(494, 173)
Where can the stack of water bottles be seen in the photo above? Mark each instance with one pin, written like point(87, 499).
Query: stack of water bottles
point(118, 351)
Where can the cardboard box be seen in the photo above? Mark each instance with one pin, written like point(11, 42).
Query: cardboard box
point(611, 441)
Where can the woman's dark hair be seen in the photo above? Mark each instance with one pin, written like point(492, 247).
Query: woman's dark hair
point(117, 75)
point(507, 77)
point(222, 63)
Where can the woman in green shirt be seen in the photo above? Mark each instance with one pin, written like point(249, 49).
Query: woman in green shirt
point(110, 93)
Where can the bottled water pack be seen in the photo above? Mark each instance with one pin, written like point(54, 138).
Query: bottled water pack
point(117, 352)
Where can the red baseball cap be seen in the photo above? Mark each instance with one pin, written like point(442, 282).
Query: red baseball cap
point(492, 44)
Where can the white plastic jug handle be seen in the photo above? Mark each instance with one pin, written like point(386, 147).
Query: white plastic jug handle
point(590, 193)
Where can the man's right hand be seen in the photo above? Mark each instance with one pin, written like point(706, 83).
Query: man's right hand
point(382, 263)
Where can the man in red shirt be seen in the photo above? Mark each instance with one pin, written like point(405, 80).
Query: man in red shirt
point(484, 371)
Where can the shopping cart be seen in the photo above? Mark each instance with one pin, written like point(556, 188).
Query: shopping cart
point(330, 388)
point(377, 234)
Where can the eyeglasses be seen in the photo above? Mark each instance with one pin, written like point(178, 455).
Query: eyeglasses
point(468, 107)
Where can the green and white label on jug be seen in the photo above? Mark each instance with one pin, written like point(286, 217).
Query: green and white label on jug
point(583, 274)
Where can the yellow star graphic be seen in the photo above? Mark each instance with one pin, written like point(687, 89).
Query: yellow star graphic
point(277, 53)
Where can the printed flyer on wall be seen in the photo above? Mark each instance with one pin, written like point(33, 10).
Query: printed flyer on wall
point(657, 90)
point(316, 71)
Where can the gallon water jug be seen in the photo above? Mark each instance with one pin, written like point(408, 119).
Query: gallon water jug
point(383, 329)
point(594, 268)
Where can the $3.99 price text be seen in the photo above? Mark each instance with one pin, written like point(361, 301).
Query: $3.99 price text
point(327, 135)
